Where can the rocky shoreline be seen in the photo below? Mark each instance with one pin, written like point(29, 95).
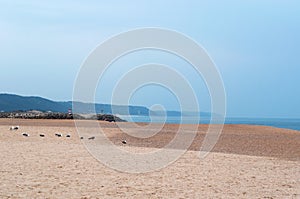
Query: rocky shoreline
point(59, 116)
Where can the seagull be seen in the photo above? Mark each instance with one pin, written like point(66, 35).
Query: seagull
point(14, 128)
point(58, 134)
point(42, 135)
point(68, 136)
point(25, 134)
point(124, 141)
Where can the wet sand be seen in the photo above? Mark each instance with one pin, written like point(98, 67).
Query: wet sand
point(247, 162)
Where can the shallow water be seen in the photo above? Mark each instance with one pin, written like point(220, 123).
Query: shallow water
point(293, 124)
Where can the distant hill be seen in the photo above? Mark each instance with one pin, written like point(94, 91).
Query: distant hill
point(11, 103)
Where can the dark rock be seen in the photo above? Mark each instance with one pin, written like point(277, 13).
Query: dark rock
point(61, 116)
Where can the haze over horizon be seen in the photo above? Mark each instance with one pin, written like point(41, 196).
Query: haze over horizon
point(254, 44)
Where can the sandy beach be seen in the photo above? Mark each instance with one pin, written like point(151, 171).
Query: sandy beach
point(247, 162)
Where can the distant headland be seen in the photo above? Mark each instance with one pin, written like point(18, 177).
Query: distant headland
point(15, 103)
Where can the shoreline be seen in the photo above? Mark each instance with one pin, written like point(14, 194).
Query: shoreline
point(241, 139)
point(15, 121)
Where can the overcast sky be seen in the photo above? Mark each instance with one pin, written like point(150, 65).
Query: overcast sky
point(254, 44)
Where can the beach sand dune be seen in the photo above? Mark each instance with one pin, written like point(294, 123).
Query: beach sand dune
point(247, 162)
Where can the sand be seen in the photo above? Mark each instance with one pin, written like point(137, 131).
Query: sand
point(247, 162)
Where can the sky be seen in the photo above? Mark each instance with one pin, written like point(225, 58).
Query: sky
point(254, 44)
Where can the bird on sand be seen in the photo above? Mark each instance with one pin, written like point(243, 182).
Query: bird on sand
point(14, 128)
point(25, 134)
point(58, 134)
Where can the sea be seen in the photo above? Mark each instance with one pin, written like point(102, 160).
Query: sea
point(285, 123)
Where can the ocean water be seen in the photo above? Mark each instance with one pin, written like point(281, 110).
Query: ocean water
point(293, 124)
